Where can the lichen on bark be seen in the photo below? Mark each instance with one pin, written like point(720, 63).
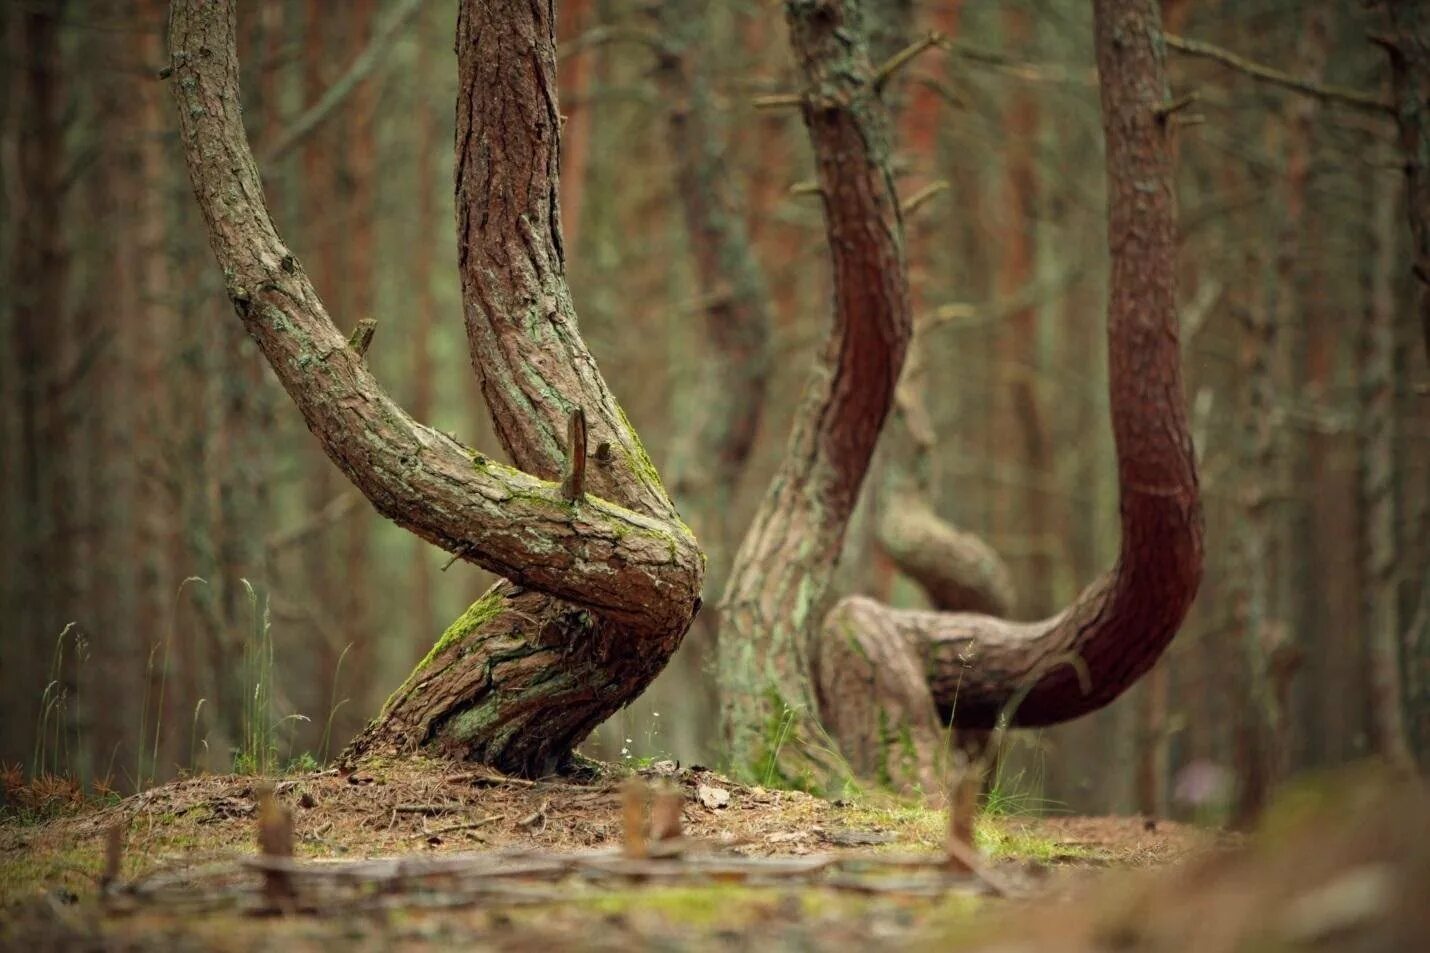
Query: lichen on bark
point(599, 591)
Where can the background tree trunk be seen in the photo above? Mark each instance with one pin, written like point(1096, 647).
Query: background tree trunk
point(37, 280)
point(1380, 544)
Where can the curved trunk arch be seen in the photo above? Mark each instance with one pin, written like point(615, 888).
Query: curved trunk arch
point(599, 589)
point(891, 682)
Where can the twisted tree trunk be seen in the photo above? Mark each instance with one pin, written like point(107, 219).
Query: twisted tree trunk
point(599, 589)
point(776, 591)
point(889, 680)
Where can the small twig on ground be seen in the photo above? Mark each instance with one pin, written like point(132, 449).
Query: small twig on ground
point(467, 826)
point(426, 808)
point(488, 777)
point(536, 818)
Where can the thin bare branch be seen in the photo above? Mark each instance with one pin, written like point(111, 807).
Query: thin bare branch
point(362, 67)
point(1266, 74)
point(906, 56)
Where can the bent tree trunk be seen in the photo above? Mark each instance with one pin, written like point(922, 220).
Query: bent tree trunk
point(599, 589)
point(776, 590)
point(889, 681)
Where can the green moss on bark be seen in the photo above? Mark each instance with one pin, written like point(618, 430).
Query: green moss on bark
point(488, 607)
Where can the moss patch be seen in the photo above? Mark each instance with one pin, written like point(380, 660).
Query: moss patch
point(488, 607)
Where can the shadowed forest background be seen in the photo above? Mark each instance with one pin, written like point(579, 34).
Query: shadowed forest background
point(188, 582)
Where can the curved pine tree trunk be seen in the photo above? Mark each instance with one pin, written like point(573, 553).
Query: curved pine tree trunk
point(889, 679)
point(776, 591)
point(601, 585)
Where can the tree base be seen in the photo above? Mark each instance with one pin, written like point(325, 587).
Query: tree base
point(515, 683)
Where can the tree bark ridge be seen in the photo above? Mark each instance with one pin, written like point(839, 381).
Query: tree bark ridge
point(776, 592)
point(981, 670)
point(626, 571)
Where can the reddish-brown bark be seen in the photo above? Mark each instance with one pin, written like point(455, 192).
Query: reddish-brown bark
point(576, 76)
point(782, 570)
point(980, 670)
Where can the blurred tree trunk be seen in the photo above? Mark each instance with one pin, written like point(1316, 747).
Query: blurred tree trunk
point(357, 298)
point(424, 611)
point(576, 78)
point(730, 288)
point(958, 571)
point(603, 578)
point(1272, 355)
point(1021, 509)
point(1380, 519)
point(1152, 704)
point(324, 151)
point(11, 591)
point(37, 291)
point(1409, 47)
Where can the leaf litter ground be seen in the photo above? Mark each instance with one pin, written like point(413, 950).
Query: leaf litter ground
point(423, 854)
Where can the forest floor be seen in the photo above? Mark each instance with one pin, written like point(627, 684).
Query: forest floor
point(413, 853)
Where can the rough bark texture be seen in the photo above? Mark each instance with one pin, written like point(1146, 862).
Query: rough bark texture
point(521, 677)
point(777, 586)
point(978, 669)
